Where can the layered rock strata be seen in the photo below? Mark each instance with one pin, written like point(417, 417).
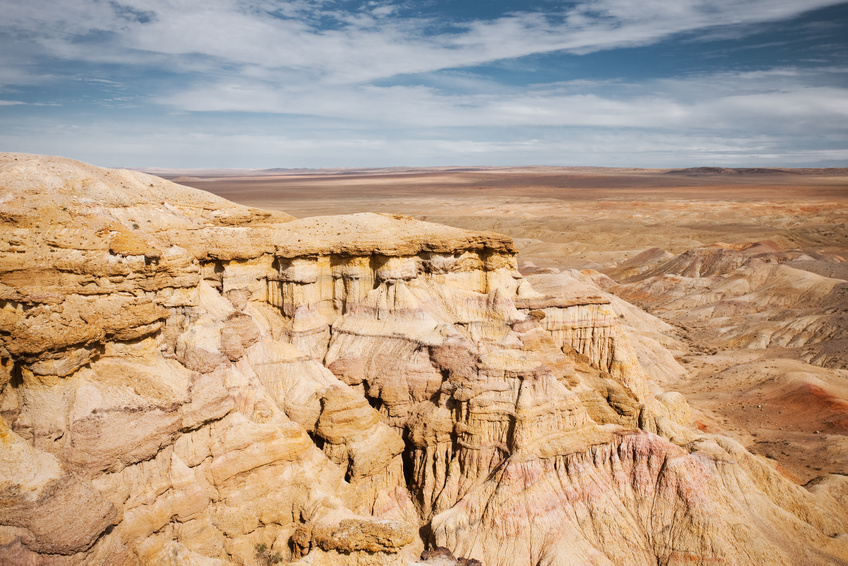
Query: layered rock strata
point(751, 296)
point(188, 381)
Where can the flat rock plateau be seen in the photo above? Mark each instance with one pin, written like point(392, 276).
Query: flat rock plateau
point(189, 381)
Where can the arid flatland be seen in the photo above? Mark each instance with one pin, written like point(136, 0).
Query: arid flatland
point(570, 216)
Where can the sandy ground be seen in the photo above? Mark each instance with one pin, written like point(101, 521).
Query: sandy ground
point(570, 216)
point(578, 218)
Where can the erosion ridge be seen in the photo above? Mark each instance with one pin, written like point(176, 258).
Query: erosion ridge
point(189, 381)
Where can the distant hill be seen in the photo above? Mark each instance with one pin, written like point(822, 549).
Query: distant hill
point(710, 171)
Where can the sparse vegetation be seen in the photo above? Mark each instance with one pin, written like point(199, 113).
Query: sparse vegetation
point(266, 556)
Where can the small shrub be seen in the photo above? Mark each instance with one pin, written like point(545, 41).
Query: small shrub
point(266, 556)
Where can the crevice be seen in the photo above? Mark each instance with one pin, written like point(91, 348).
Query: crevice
point(349, 471)
point(409, 468)
point(17, 379)
point(425, 531)
point(317, 440)
point(215, 276)
point(375, 264)
point(375, 402)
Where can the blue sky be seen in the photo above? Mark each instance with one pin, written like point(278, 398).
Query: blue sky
point(334, 83)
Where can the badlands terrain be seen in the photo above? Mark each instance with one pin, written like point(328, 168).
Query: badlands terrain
point(743, 329)
point(603, 367)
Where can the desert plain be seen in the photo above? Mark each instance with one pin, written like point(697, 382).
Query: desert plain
point(746, 266)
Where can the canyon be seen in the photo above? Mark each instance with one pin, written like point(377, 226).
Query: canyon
point(186, 380)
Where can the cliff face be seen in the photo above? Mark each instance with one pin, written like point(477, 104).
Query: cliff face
point(188, 381)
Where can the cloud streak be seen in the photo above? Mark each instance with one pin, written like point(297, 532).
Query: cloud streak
point(777, 100)
point(340, 47)
point(383, 71)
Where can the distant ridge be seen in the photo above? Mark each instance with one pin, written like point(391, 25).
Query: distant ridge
point(197, 175)
point(732, 171)
point(709, 171)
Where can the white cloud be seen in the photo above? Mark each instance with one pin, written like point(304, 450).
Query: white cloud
point(779, 100)
point(358, 47)
point(165, 142)
point(308, 59)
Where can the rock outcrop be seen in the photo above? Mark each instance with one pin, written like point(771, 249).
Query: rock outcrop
point(766, 330)
point(188, 381)
point(747, 296)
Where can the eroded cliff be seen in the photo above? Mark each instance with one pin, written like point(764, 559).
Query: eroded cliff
point(188, 381)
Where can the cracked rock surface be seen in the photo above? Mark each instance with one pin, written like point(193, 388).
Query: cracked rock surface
point(188, 381)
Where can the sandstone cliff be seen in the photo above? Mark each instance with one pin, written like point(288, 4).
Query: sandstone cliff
point(188, 381)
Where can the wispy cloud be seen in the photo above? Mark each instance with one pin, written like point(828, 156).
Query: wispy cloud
point(169, 142)
point(344, 70)
point(318, 40)
point(776, 100)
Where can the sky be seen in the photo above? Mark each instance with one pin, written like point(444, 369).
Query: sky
point(342, 83)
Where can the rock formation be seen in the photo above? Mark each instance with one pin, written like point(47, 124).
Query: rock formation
point(188, 381)
point(768, 330)
point(751, 296)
